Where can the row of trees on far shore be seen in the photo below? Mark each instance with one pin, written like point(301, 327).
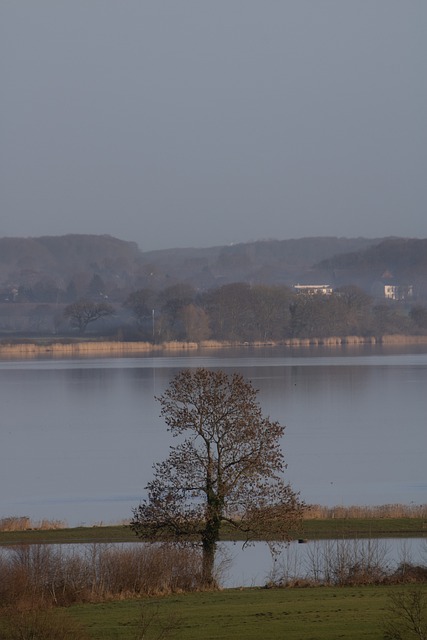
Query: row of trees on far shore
point(232, 312)
point(241, 312)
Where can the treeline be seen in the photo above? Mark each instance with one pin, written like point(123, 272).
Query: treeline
point(245, 313)
point(237, 312)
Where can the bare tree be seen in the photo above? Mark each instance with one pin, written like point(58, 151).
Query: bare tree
point(407, 615)
point(83, 312)
point(228, 470)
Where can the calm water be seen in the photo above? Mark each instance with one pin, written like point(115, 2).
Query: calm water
point(255, 566)
point(79, 436)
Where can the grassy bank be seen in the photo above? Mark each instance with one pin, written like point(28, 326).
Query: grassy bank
point(320, 613)
point(315, 529)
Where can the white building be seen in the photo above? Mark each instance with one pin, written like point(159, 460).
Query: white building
point(314, 289)
point(398, 291)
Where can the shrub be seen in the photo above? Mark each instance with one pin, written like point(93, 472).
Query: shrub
point(46, 575)
point(348, 562)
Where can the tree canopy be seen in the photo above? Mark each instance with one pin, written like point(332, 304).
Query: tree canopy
point(227, 468)
point(83, 312)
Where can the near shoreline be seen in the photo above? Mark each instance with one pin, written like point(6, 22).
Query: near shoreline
point(76, 347)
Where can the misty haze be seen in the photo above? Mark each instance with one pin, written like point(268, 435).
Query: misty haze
point(197, 124)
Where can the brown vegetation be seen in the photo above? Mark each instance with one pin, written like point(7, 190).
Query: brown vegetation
point(319, 512)
point(107, 348)
point(88, 348)
point(47, 575)
point(24, 523)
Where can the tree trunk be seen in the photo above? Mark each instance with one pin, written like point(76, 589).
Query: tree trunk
point(208, 564)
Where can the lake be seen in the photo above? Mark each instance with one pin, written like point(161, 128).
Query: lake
point(79, 436)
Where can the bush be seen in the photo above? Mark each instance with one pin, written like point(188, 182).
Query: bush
point(408, 572)
point(348, 562)
point(45, 575)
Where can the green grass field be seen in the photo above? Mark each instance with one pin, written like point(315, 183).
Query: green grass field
point(319, 613)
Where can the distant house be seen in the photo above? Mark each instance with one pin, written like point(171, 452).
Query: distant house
point(314, 289)
point(398, 291)
point(391, 287)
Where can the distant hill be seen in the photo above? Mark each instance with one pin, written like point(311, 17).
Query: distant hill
point(100, 263)
point(263, 261)
point(61, 256)
point(57, 261)
point(394, 260)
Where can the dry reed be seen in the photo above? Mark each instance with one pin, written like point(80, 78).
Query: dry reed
point(24, 523)
point(47, 575)
point(105, 348)
point(319, 512)
point(29, 350)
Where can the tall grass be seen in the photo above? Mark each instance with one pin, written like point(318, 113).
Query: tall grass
point(24, 523)
point(70, 347)
point(90, 348)
point(319, 512)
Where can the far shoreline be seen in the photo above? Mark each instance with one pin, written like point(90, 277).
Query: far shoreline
point(30, 348)
point(312, 528)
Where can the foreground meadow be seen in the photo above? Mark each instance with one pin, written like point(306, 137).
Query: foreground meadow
point(318, 613)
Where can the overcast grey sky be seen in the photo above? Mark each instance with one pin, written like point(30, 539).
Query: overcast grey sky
point(203, 122)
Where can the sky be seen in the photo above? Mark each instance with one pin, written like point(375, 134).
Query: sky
point(195, 123)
